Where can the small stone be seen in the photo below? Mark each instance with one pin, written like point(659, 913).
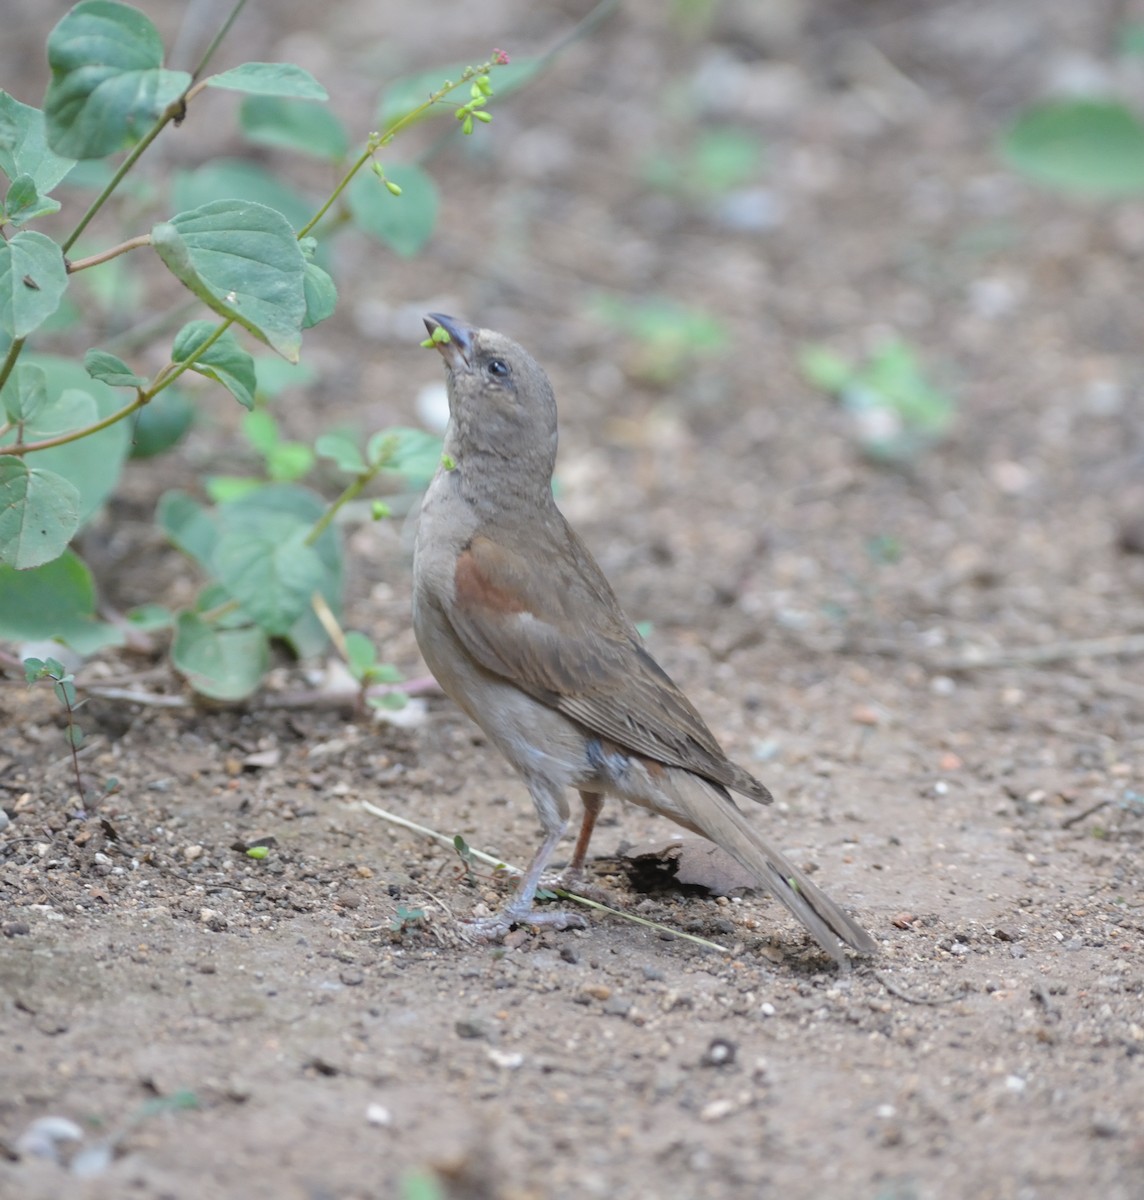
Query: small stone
point(720, 1053)
point(767, 1009)
point(15, 928)
point(717, 1110)
point(471, 1028)
point(507, 1060)
point(190, 853)
point(379, 1115)
point(617, 1006)
point(351, 977)
point(597, 991)
point(903, 920)
point(1104, 1127)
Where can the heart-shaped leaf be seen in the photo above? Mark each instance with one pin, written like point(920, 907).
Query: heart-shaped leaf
point(33, 280)
point(108, 83)
point(39, 513)
point(243, 260)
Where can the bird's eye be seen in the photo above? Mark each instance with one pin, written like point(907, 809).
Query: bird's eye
point(498, 367)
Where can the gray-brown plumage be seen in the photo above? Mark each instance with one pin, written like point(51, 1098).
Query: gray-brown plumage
point(522, 630)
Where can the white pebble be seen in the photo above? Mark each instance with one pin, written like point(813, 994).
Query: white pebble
point(508, 1060)
point(379, 1115)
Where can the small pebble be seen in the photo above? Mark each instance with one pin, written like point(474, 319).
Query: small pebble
point(379, 1115)
point(720, 1053)
point(717, 1110)
point(507, 1060)
point(470, 1027)
point(45, 1135)
point(5, 820)
point(767, 1009)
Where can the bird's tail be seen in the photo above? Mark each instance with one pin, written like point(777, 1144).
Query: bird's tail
point(708, 810)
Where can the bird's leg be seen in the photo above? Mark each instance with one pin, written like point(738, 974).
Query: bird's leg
point(593, 804)
point(519, 910)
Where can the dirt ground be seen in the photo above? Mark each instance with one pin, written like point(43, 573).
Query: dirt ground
point(858, 636)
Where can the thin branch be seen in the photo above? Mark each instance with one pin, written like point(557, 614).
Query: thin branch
point(445, 840)
point(64, 438)
point(82, 264)
point(208, 53)
point(10, 359)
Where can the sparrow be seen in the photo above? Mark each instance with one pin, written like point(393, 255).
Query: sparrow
point(521, 629)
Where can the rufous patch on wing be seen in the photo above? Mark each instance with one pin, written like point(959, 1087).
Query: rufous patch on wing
point(474, 589)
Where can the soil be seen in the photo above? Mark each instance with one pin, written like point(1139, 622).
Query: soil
point(902, 654)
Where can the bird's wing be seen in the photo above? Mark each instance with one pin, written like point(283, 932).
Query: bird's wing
point(552, 626)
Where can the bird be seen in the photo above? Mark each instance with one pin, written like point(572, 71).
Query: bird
point(522, 630)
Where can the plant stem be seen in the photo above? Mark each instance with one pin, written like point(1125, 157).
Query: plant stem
point(164, 379)
point(82, 264)
point(208, 53)
point(378, 140)
point(168, 114)
point(10, 359)
point(353, 489)
point(75, 434)
point(173, 370)
point(175, 111)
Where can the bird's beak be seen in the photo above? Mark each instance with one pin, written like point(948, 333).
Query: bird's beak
point(457, 350)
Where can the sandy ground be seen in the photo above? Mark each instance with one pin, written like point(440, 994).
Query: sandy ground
point(318, 1024)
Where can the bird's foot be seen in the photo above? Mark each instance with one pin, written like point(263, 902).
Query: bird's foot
point(493, 929)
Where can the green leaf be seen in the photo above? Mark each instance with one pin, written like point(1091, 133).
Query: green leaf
point(404, 223)
point(404, 95)
point(26, 393)
point(1085, 147)
point(269, 502)
point(160, 424)
point(39, 514)
point(24, 146)
point(243, 260)
point(222, 488)
point(825, 370)
point(261, 431)
point(75, 400)
point(188, 525)
point(263, 562)
point(32, 282)
point(224, 361)
point(343, 450)
point(321, 295)
point(24, 203)
point(294, 125)
point(56, 600)
point(409, 452)
point(108, 83)
point(225, 664)
point(99, 364)
point(234, 179)
point(360, 653)
point(270, 79)
point(151, 617)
